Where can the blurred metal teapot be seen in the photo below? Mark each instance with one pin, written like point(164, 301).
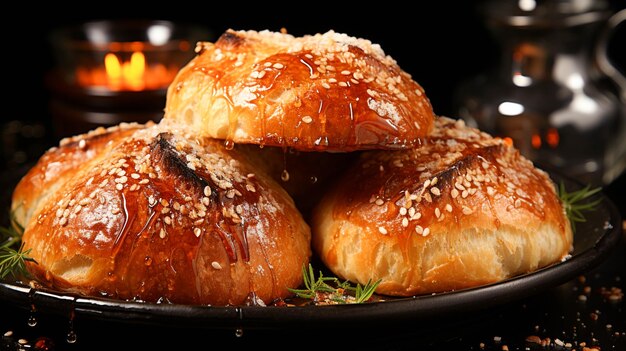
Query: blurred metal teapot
point(555, 93)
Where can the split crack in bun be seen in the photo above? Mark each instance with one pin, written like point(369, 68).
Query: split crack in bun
point(154, 213)
point(323, 92)
point(462, 210)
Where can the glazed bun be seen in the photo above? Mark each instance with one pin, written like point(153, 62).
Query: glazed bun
point(323, 92)
point(154, 213)
point(463, 209)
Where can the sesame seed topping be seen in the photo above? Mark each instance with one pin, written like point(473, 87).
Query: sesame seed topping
point(454, 193)
point(325, 85)
point(437, 212)
point(119, 186)
point(162, 233)
point(426, 232)
point(435, 191)
point(278, 65)
point(382, 230)
point(405, 222)
point(448, 207)
point(216, 265)
point(419, 230)
point(197, 232)
point(307, 119)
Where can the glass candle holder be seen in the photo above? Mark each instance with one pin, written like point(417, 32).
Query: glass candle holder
point(110, 72)
point(124, 55)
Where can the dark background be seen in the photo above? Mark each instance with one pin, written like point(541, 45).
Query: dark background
point(441, 43)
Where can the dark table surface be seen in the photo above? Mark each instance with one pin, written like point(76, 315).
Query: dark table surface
point(586, 312)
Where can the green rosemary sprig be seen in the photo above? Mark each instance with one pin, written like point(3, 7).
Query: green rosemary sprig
point(577, 202)
point(332, 288)
point(13, 257)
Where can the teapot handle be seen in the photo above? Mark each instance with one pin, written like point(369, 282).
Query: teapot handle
point(603, 61)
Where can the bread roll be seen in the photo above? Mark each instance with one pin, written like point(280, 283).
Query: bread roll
point(153, 213)
point(462, 210)
point(323, 92)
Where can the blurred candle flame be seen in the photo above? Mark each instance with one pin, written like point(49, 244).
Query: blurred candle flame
point(132, 74)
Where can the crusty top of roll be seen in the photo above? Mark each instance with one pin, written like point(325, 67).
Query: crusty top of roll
point(324, 92)
point(155, 213)
point(463, 209)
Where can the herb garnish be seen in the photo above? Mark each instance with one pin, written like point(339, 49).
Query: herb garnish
point(13, 258)
point(332, 289)
point(576, 202)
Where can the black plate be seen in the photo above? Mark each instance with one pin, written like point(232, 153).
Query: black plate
point(593, 241)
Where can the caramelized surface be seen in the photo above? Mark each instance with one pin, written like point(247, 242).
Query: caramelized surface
point(156, 214)
point(326, 92)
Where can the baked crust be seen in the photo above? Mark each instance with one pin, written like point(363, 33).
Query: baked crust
point(462, 210)
point(324, 92)
point(156, 214)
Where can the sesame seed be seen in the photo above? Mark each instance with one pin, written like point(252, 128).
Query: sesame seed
point(518, 203)
point(197, 232)
point(144, 181)
point(426, 232)
point(448, 207)
point(278, 65)
point(63, 221)
point(119, 186)
point(405, 222)
point(454, 193)
point(307, 119)
point(402, 211)
point(412, 211)
point(490, 191)
point(435, 191)
point(325, 85)
point(216, 265)
point(382, 230)
point(162, 233)
point(135, 176)
point(345, 72)
point(167, 220)
point(464, 194)
point(379, 202)
point(467, 210)
point(419, 230)
point(428, 197)
point(207, 191)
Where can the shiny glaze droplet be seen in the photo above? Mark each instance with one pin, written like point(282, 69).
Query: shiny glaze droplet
point(32, 321)
point(71, 337)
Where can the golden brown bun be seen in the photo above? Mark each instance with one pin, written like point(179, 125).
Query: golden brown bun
point(154, 214)
point(328, 92)
point(462, 210)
